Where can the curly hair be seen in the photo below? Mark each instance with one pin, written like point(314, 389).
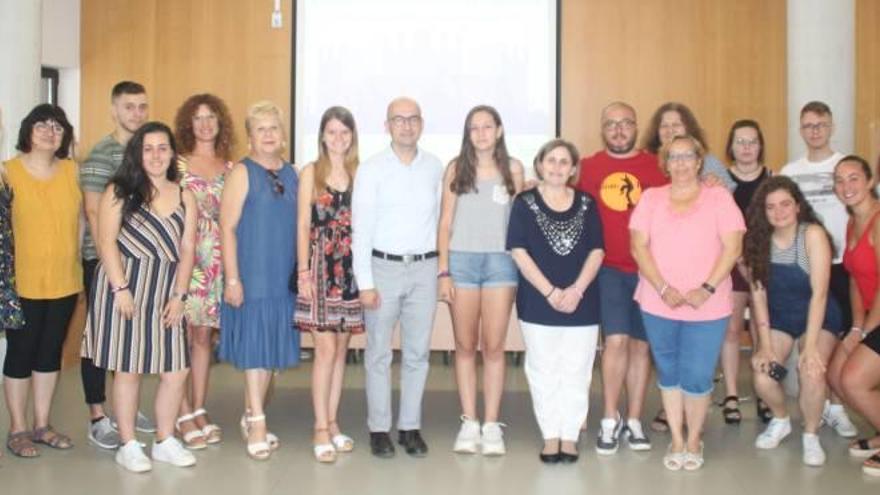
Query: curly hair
point(130, 183)
point(651, 141)
point(183, 125)
point(759, 232)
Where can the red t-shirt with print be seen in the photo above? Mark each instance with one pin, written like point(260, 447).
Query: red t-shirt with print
point(617, 185)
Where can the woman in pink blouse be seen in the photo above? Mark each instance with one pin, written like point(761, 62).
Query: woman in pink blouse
point(685, 238)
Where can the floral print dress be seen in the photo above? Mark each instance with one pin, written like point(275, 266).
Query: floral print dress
point(206, 285)
point(336, 307)
point(11, 316)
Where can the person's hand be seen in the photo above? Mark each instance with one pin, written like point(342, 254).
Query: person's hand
point(445, 290)
point(810, 362)
point(761, 360)
point(124, 303)
point(530, 184)
point(711, 180)
point(304, 287)
point(555, 299)
point(233, 294)
point(571, 297)
point(672, 297)
point(172, 314)
point(851, 341)
point(370, 299)
point(696, 297)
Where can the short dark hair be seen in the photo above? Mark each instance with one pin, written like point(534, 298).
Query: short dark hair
point(42, 113)
point(740, 124)
point(817, 107)
point(127, 88)
point(552, 145)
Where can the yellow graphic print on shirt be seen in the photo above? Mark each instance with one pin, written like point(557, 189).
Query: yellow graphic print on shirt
point(620, 191)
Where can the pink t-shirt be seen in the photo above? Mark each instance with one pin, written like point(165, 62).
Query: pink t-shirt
point(685, 247)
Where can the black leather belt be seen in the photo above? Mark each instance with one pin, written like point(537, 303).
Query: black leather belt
point(406, 258)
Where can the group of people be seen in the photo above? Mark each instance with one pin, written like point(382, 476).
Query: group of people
point(659, 250)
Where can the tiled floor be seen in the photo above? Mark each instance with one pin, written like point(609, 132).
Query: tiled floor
point(733, 466)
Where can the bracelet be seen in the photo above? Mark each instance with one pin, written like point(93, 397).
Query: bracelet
point(121, 288)
point(552, 290)
point(443, 274)
point(664, 289)
point(708, 288)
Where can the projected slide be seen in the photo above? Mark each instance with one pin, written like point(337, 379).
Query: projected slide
point(450, 55)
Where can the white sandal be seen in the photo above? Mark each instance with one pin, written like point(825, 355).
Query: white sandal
point(324, 452)
point(342, 442)
point(273, 441)
point(190, 438)
point(212, 432)
point(258, 451)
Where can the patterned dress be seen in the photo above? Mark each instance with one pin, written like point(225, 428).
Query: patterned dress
point(336, 307)
point(11, 316)
point(150, 249)
point(206, 285)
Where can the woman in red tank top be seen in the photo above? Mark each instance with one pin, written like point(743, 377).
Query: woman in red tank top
point(854, 371)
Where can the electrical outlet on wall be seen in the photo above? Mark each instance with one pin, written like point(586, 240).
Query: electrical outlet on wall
point(276, 19)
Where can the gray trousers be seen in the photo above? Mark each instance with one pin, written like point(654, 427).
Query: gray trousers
point(408, 293)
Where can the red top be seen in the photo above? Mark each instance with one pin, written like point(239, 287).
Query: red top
point(617, 185)
point(861, 263)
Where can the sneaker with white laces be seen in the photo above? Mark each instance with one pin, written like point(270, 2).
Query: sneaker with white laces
point(102, 434)
point(492, 441)
point(468, 437)
point(814, 455)
point(609, 433)
point(835, 416)
point(776, 431)
point(171, 451)
point(635, 436)
point(131, 456)
point(143, 424)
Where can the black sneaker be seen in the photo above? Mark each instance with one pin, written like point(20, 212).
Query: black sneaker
point(381, 445)
point(635, 436)
point(609, 435)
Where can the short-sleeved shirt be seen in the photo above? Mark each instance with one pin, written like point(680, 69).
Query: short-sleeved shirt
point(559, 244)
point(45, 226)
point(685, 247)
point(617, 184)
point(94, 174)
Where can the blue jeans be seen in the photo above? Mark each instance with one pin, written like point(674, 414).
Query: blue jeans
point(685, 352)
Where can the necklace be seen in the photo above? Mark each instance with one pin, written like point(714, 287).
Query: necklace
point(561, 235)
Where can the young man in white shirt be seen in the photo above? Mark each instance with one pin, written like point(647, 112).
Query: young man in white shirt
point(814, 174)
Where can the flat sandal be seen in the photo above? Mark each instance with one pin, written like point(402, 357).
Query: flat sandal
point(57, 440)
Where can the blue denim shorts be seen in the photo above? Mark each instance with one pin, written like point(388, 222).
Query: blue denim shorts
point(618, 311)
point(685, 352)
point(478, 270)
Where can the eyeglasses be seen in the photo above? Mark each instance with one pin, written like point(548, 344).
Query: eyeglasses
point(625, 124)
point(687, 156)
point(400, 121)
point(746, 142)
point(46, 127)
point(277, 185)
point(820, 126)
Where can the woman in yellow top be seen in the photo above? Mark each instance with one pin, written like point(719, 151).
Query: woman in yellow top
point(46, 203)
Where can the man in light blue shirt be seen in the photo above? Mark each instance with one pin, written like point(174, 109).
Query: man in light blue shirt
point(395, 210)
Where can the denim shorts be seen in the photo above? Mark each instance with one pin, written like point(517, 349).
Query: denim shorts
point(618, 311)
point(477, 270)
point(685, 352)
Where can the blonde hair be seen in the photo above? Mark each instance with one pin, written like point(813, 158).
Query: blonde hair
point(699, 151)
point(261, 109)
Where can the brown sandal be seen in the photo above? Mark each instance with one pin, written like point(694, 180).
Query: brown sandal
point(21, 445)
point(48, 436)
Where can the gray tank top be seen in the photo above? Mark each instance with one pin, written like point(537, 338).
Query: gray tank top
point(796, 253)
point(480, 222)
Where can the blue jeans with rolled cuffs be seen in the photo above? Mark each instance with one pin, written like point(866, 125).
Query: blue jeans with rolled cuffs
point(685, 352)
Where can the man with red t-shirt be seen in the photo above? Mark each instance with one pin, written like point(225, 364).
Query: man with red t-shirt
point(616, 177)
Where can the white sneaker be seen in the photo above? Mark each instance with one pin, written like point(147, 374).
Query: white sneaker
point(493, 439)
point(468, 437)
point(171, 451)
point(635, 436)
point(609, 434)
point(835, 416)
point(813, 453)
point(776, 431)
point(131, 456)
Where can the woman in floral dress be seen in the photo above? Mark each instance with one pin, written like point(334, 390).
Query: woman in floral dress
point(327, 303)
point(205, 134)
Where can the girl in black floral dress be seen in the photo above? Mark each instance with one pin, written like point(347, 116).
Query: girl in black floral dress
point(11, 316)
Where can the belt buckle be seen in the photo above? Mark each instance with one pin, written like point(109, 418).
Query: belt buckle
point(408, 258)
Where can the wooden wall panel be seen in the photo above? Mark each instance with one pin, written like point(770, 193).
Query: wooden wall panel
point(868, 79)
point(718, 57)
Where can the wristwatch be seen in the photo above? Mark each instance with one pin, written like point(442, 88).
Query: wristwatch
point(183, 297)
